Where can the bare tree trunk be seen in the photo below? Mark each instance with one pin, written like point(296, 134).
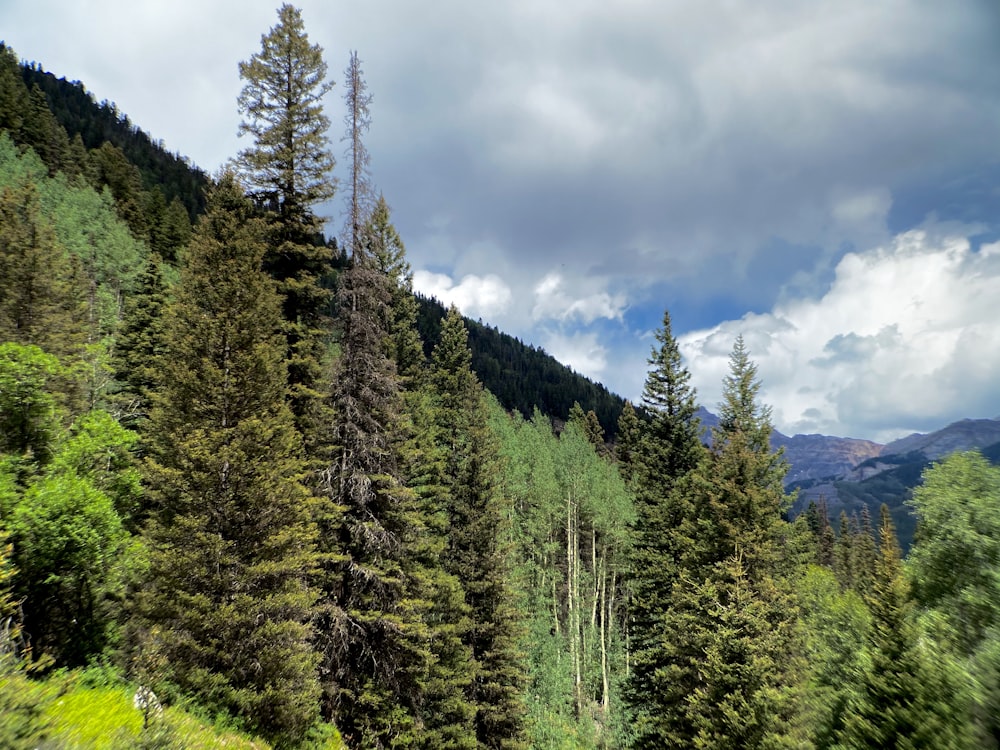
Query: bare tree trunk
point(605, 615)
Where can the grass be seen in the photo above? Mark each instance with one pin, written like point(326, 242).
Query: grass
point(91, 710)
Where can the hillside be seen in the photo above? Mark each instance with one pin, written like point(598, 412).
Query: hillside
point(522, 376)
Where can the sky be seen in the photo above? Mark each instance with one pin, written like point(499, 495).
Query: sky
point(821, 177)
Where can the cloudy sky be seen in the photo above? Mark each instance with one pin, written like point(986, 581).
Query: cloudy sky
point(819, 175)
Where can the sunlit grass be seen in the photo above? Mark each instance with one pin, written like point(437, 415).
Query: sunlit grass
point(91, 717)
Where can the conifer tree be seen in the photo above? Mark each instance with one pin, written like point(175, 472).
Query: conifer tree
point(668, 448)
point(42, 298)
point(447, 710)
point(477, 553)
point(288, 168)
point(906, 698)
point(227, 600)
point(726, 649)
point(372, 636)
point(627, 443)
point(140, 345)
point(384, 244)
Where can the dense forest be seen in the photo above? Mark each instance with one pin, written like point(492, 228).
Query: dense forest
point(248, 477)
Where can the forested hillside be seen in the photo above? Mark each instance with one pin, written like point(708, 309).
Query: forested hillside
point(251, 479)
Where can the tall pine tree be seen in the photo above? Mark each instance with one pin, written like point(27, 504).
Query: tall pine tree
point(288, 168)
point(477, 552)
point(726, 649)
point(227, 601)
point(667, 449)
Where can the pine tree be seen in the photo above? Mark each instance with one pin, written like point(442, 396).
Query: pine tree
point(227, 602)
point(288, 168)
point(372, 635)
point(668, 448)
point(140, 345)
point(627, 443)
point(906, 699)
point(383, 243)
point(477, 553)
point(42, 297)
point(727, 656)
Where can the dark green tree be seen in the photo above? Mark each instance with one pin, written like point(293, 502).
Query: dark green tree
point(727, 652)
point(371, 629)
point(231, 543)
point(42, 294)
point(288, 169)
point(140, 345)
point(477, 552)
point(667, 449)
point(30, 410)
point(384, 244)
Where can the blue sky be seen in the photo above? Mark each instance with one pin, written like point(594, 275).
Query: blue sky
point(819, 176)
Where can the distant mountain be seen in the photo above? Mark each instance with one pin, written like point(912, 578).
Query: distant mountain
point(890, 476)
point(814, 457)
point(810, 457)
point(958, 436)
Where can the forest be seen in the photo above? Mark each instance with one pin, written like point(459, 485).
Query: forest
point(256, 493)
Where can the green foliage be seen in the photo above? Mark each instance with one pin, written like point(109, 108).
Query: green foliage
point(719, 667)
point(477, 553)
point(570, 523)
point(30, 413)
point(955, 569)
point(67, 539)
point(41, 290)
point(835, 624)
point(955, 564)
point(140, 345)
point(288, 171)
point(908, 697)
point(373, 636)
point(23, 721)
point(281, 102)
point(520, 376)
point(660, 454)
point(224, 613)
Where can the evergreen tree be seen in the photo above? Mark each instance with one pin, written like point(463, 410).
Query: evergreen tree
point(42, 299)
point(726, 651)
point(627, 444)
point(372, 635)
point(668, 448)
point(227, 602)
point(288, 168)
point(477, 552)
point(906, 699)
point(383, 243)
point(140, 345)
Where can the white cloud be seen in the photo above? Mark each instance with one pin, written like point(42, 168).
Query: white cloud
point(905, 337)
point(581, 351)
point(553, 303)
point(475, 296)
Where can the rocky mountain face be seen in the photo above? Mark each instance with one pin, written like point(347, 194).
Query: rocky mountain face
point(959, 436)
point(890, 475)
point(816, 457)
